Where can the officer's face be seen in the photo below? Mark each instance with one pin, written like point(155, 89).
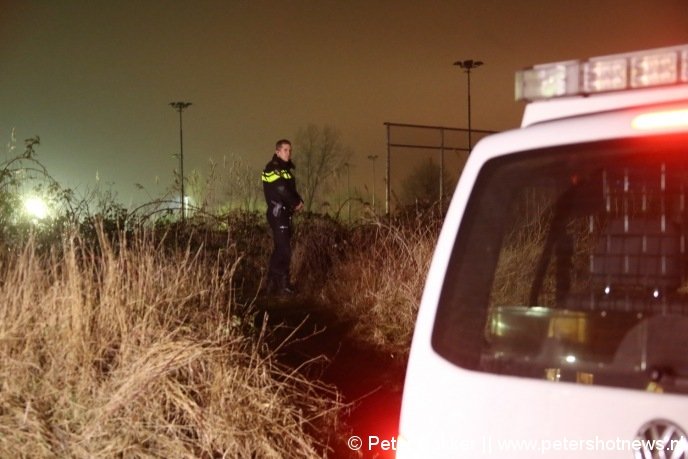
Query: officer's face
point(284, 152)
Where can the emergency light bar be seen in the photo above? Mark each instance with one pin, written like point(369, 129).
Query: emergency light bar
point(616, 72)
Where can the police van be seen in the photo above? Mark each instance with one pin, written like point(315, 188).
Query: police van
point(554, 320)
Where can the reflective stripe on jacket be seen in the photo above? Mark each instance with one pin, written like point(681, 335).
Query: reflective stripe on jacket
point(275, 175)
point(279, 184)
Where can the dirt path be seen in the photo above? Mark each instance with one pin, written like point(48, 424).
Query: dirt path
point(368, 380)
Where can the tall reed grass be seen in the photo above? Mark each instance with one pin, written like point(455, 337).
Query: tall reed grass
point(130, 350)
point(379, 276)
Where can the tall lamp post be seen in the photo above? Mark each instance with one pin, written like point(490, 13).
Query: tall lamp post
point(180, 106)
point(468, 65)
point(373, 158)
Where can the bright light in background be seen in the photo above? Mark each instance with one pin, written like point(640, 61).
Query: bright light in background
point(188, 205)
point(35, 207)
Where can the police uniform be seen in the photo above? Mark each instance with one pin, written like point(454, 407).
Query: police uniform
point(282, 198)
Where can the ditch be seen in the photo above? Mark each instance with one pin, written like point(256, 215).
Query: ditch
point(370, 381)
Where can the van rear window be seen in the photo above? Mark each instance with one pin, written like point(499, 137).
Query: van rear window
point(571, 265)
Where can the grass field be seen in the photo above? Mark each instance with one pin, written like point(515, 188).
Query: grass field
point(134, 350)
point(147, 346)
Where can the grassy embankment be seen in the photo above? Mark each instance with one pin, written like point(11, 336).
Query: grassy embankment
point(132, 350)
point(372, 273)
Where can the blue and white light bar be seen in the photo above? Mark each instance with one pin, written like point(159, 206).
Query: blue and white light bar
point(616, 72)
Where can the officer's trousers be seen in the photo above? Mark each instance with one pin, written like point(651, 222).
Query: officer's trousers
point(278, 271)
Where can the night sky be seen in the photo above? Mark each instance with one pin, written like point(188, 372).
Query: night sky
point(94, 78)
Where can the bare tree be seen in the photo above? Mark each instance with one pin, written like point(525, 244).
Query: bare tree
point(422, 185)
point(227, 185)
point(241, 186)
point(321, 155)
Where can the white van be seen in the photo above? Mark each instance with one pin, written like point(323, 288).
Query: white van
point(554, 321)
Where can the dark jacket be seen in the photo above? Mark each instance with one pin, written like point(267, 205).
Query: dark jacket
point(279, 185)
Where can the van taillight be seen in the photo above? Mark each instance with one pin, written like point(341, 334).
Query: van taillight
point(666, 119)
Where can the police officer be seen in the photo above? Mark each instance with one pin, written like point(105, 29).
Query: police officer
point(283, 200)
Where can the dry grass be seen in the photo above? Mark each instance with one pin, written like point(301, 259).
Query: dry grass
point(380, 279)
point(137, 352)
point(320, 244)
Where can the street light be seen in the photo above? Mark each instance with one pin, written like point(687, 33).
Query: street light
point(373, 158)
point(35, 207)
point(180, 106)
point(468, 65)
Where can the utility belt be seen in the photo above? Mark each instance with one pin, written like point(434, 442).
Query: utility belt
point(277, 209)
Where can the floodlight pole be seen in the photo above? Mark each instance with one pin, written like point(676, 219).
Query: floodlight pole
point(373, 158)
point(180, 106)
point(468, 65)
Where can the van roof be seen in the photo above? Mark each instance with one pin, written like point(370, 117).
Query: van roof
point(554, 109)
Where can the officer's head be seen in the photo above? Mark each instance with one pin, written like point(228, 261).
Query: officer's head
point(283, 149)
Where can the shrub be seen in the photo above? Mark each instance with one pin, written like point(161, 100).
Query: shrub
point(320, 243)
